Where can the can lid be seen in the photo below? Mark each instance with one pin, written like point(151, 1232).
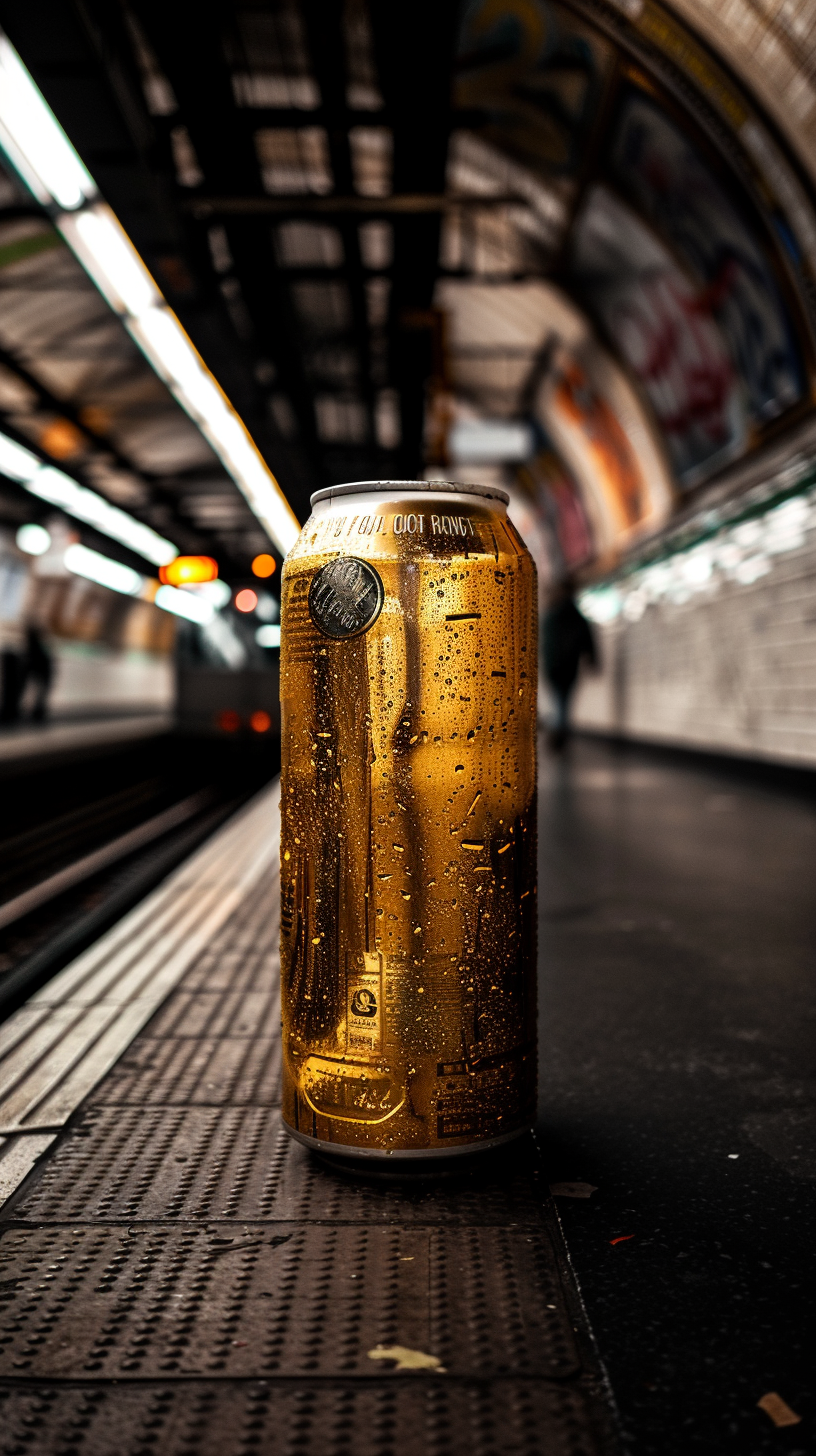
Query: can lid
point(434, 487)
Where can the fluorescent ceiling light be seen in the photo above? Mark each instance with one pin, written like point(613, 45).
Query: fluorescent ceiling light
point(95, 567)
point(106, 252)
point(38, 147)
point(58, 489)
point(161, 337)
point(269, 636)
point(184, 604)
point(16, 462)
point(34, 140)
point(483, 442)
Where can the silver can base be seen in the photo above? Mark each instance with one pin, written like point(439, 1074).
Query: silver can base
point(403, 1161)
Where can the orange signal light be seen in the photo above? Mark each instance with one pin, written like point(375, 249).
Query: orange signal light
point(62, 439)
point(263, 565)
point(260, 722)
point(188, 571)
point(228, 721)
point(246, 600)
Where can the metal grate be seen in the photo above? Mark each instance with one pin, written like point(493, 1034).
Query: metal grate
point(183, 1071)
point(407, 1416)
point(177, 1276)
point(224, 1013)
point(159, 1163)
point(293, 1299)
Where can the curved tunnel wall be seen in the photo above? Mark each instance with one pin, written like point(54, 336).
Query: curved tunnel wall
point(668, 214)
point(683, 157)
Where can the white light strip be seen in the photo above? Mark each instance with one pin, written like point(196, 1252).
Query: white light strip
point(95, 567)
point(269, 636)
point(108, 255)
point(184, 604)
point(35, 142)
point(59, 489)
point(106, 252)
point(38, 148)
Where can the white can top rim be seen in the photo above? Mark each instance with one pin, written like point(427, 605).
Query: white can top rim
point(410, 487)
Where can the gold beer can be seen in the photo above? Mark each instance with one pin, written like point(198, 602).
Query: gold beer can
point(408, 823)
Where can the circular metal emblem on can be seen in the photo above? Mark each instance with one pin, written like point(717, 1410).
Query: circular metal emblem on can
point(345, 597)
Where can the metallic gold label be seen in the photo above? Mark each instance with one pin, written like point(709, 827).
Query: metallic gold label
point(345, 597)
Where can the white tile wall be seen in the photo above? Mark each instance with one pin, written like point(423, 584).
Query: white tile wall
point(733, 669)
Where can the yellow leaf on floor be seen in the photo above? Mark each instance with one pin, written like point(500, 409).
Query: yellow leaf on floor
point(406, 1359)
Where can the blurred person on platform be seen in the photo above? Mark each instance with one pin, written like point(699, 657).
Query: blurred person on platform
point(39, 671)
point(568, 641)
point(12, 673)
point(14, 579)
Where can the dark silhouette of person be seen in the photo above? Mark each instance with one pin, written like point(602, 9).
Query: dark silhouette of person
point(12, 685)
point(568, 641)
point(39, 670)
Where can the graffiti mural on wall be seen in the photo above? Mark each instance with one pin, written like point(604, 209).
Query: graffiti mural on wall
point(667, 180)
point(671, 259)
point(589, 437)
point(663, 327)
point(547, 480)
point(536, 73)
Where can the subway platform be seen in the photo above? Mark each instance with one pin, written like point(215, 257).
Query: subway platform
point(177, 1276)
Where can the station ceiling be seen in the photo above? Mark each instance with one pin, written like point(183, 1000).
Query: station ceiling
point(383, 224)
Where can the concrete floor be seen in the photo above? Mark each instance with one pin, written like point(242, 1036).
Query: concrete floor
point(678, 931)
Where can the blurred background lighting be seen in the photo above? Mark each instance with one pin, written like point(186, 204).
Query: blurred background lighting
point(62, 440)
point(188, 569)
point(269, 636)
point(267, 609)
point(52, 485)
point(263, 565)
point(16, 462)
point(476, 442)
point(105, 250)
point(34, 139)
point(184, 604)
point(216, 592)
point(33, 539)
point(42, 154)
point(246, 600)
point(95, 567)
point(260, 722)
point(229, 721)
point(58, 489)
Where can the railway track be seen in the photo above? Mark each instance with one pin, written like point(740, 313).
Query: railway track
point(81, 843)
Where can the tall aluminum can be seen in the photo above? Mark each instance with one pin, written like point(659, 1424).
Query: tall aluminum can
point(408, 819)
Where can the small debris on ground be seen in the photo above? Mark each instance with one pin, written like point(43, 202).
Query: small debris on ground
point(778, 1409)
point(621, 1239)
point(406, 1359)
point(572, 1190)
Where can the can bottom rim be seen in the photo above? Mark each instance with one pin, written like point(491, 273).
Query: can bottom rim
point(402, 1158)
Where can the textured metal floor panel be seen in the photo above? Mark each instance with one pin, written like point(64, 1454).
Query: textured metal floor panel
point(294, 1300)
point(183, 1071)
point(178, 1277)
point(194, 1163)
point(222, 1013)
point(437, 1417)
